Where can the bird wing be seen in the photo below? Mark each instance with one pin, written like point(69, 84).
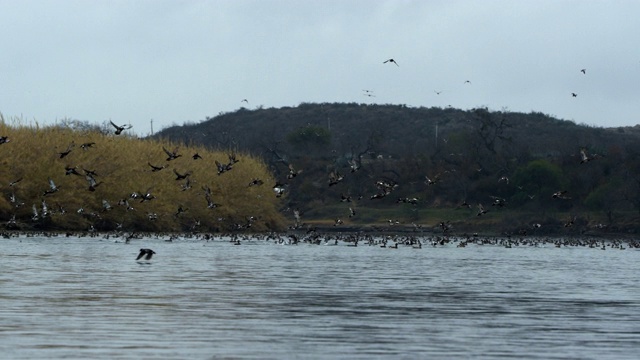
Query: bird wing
point(142, 253)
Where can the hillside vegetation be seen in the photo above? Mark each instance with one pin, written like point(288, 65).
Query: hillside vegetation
point(126, 194)
point(398, 164)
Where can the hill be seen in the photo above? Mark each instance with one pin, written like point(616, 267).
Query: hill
point(426, 165)
point(57, 178)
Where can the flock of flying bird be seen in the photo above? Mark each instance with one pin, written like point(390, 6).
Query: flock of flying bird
point(91, 177)
point(384, 187)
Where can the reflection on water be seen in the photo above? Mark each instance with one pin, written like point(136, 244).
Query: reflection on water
point(89, 298)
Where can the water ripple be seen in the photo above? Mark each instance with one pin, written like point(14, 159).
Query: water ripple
point(85, 298)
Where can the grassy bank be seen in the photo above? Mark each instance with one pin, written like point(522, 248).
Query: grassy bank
point(31, 156)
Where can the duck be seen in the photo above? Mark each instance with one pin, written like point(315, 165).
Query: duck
point(293, 172)
point(279, 189)
point(52, 188)
point(93, 184)
point(120, 129)
point(68, 170)
point(560, 195)
point(155, 168)
point(171, 155)
point(105, 205)
point(207, 196)
point(87, 145)
point(335, 177)
point(146, 196)
point(67, 151)
point(181, 176)
point(187, 184)
point(222, 167)
point(15, 182)
point(146, 253)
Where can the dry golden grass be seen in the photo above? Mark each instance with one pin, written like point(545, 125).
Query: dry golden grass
point(121, 164)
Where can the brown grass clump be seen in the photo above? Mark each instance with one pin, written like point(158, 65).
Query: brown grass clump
point(32, 155)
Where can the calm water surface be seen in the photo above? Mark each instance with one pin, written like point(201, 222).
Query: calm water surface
point(88, 298)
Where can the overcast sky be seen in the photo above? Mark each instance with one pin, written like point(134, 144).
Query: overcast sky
point(181, 61)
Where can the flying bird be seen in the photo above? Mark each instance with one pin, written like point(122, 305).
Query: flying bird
point(92, 182)
point(560, 195)
point(120, 129)
point(66, 152)
point(68, 170)
point(156, 168)
point(574, 94)
point(146, 253)
point(87, 145)
point(391, 61)
point(53, 188)
point(293, 172)
point(335, 177)
point(14, 182)
point(584, 71)
point(181, 176)
point(172, 155)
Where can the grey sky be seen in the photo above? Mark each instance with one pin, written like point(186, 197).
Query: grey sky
point(179, 61)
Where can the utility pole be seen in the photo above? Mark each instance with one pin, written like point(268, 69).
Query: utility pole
point(151, 127)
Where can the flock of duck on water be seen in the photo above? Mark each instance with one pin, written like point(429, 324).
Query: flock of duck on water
point(359, 239)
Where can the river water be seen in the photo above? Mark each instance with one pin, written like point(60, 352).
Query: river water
point(87, 298)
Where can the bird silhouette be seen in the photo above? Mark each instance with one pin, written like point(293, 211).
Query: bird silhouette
point(146, 253)
point(68, 170)
point(52, 188)
point(155, 168)
point(87, 145)
point(391, 61)
point(14, 182)
point(92, 182)
point(172, 155)
point(181, 176)
point(481, 210)
point(120, 129)
point(66, 152)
